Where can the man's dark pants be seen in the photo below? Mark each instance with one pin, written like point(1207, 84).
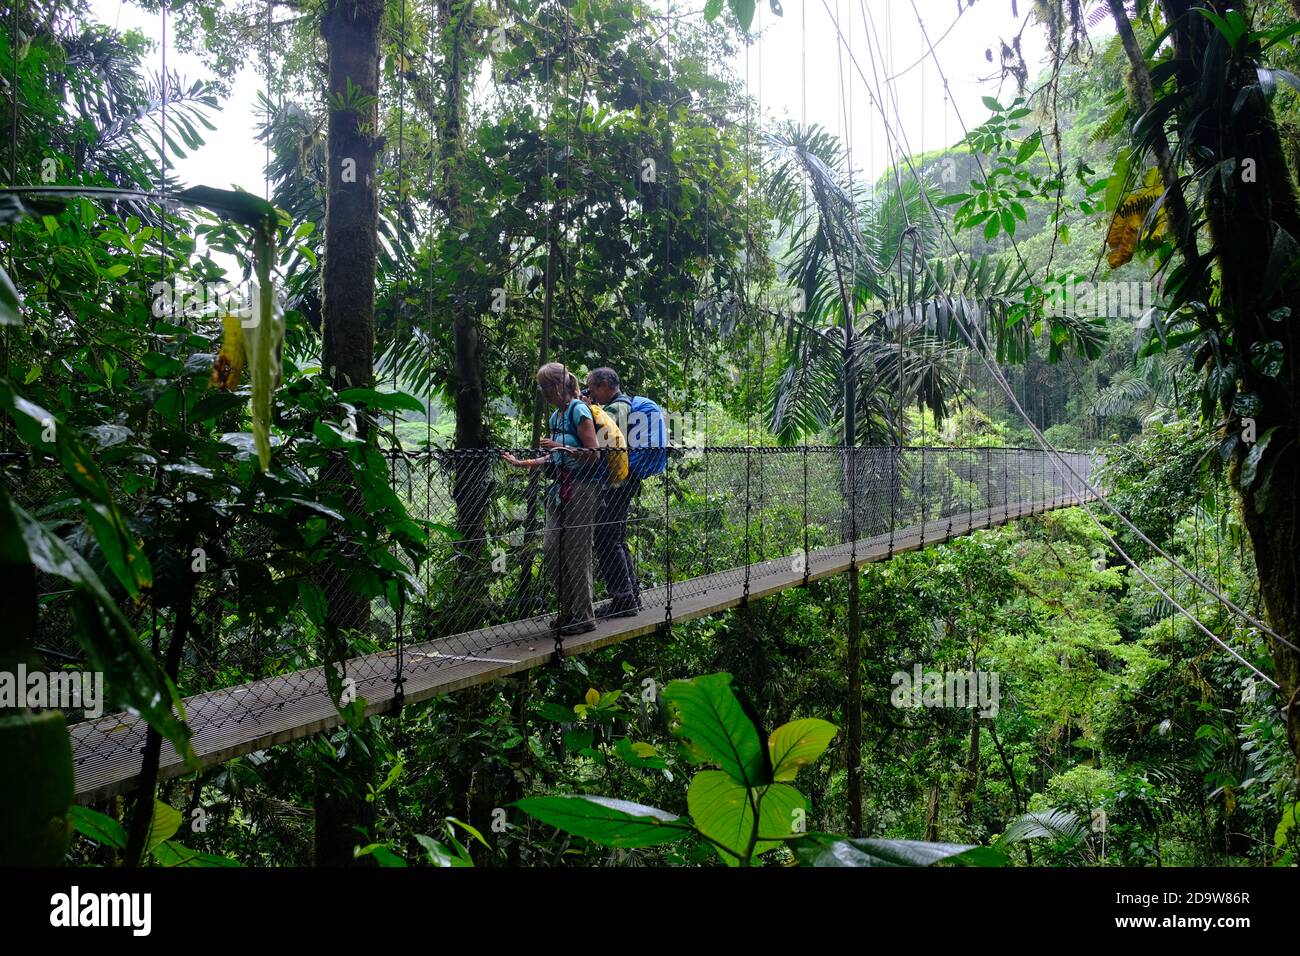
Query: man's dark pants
point(617, 568)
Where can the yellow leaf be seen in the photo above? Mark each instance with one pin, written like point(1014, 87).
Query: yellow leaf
point(1122, 240)
point(230, 361)
point(645, 750)
point(593, 697)
point(1122, 237)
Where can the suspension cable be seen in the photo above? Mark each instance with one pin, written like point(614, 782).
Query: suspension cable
point(1046, 446)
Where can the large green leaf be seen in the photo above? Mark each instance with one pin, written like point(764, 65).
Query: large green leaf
point(169, 853)
point(723, 811)
point(99, 827)
point(241, 207)
point(388, 401)
point(797, 744)
point(825, 850)
point(120, 548)
point(1250, 465)
point(612, 823)
point(712, 721)
point(110, 645)
point(744, 11)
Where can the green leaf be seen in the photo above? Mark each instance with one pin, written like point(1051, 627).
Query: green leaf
point(712, 8)
point(239, 207)
point(797, 744)
point(99, 827)
point(1029, 147)
point(387, 401)
point(440, 854)
point(744, 11)
point(723, 810)
point(119, 547)
point(1231, 29)
point(1250, 467)
point(382, 854)
point(313, 601)
point(612, 823)
point(166, 821)
point(172, 854)
point(824, 850)
point(104, 633)
point(549, 710)
point(642, 756)
point(993, 104)
point(1057, 825)
point(710, 718)
point(1268, 358)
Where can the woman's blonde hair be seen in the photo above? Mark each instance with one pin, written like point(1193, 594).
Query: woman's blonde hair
point(554, 377)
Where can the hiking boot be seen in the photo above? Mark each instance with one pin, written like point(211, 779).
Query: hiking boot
point(569, 630)
point(623, 607)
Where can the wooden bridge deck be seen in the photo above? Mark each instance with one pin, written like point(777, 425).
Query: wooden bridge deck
point(232, 721)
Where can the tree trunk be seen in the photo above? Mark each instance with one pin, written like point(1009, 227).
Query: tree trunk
point(971, 772)
point(351, 32)
point(472, 484)
point(1246, 220)
point(1016, 793)
point(932, 815)
point(1246, 223)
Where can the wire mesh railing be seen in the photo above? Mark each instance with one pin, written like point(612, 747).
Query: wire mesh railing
point(522, 557)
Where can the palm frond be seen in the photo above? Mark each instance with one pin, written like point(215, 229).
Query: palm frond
point(1056, 825)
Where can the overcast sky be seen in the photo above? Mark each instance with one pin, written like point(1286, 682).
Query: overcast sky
point(799, 69)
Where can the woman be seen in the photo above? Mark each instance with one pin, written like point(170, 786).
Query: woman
point(574, 460)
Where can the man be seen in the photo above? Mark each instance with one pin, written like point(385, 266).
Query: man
point(617, 568)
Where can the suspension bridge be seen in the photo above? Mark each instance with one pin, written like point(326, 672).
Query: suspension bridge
point(721, 527)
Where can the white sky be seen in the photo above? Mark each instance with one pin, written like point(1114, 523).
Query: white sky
point(795, 67)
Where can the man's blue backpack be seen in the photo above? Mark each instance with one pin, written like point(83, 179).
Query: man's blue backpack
point(647, 437)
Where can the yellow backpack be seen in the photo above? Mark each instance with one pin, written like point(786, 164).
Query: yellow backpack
point(608, 436)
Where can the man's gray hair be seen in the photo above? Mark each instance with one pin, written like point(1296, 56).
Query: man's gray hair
point(604, 376)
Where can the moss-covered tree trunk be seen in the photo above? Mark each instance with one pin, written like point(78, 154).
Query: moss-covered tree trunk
point(1254, 220)
point(1234, 149)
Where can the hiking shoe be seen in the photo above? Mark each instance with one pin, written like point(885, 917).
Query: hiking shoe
point(623, 607)
point(570, 630)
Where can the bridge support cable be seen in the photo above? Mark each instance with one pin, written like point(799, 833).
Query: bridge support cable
point(1091, 489)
